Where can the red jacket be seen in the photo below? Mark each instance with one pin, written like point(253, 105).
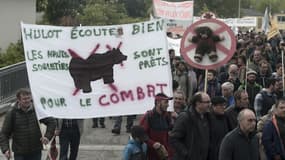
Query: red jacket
point(157, 127)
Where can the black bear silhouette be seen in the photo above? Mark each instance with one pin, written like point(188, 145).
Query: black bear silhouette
point(206, 43)
point(95, 67)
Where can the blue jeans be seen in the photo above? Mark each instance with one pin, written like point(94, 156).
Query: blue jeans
point(31, 156)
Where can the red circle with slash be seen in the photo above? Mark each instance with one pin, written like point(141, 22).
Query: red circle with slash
point(225, 48)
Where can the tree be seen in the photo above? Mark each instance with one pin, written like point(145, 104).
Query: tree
point(59, 12)
point(136, 8)
point(13, 54)
point(105, 13)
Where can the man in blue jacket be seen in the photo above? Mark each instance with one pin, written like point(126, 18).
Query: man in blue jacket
point(273, 136)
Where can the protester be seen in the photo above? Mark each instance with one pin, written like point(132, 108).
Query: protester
point(241, 143)
point(193, 82)
point(218, 126)
point(256, 58)
point(136, 147)
point(190, 136)
point(231, 76)
point(69, 132)
point(241, 63)
point(265, 98)
point(181, 76)
point(264, 73)
point(213, 85)
point(228, 92)
point(179, 104)
point(241, 102)
point(273, 136)
point(22, 126)
point(260, 126)
point(157, 124)
point(251, 87)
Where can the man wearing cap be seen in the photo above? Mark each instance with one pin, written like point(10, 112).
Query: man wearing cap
point(218, 126)
point(190, 136)
point(136, 148)
point(157, 124)
point(251, 86)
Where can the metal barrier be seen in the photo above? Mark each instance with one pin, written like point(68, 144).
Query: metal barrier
point(12, 78)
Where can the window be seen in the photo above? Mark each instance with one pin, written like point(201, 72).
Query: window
point(281, 19)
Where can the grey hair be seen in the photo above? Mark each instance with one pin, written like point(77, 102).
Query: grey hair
point(241, 114)
point(228, 85)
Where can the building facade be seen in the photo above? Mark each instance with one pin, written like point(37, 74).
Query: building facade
point(12, 12)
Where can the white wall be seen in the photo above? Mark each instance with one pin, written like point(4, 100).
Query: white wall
point(12, 12)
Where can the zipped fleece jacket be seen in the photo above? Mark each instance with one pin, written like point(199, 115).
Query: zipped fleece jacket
point(23, 128)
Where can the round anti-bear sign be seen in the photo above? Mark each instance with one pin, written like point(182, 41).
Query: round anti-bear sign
point(208, 44)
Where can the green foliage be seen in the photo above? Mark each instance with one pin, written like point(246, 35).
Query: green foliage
point(105, 13)
point(41, 5)
point(275, 5)
point(57, 12)
point(13, 54)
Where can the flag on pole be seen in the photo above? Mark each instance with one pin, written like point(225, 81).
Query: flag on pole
point(265, 21)
point(273, 30)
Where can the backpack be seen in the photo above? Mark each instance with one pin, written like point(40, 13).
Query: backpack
point(149, 115)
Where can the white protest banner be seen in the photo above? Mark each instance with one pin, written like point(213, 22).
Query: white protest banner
point(241, 22)
point(96, 71)
point(174, 44)
point(176, 26)
point(174, 10)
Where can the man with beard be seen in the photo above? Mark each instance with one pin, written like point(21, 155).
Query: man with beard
point(264, 72)
point(157, 124)
point(273, 135)
point(256, 58)
point(213, 85)
point(242, 142)
point(252, 88)
point(190, 136)
point(241, 102)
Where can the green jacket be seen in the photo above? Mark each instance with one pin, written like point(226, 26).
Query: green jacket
point(23, 128)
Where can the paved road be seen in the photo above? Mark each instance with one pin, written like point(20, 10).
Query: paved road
point(99, 143)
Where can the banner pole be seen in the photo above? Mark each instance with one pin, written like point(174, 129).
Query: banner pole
point(283, 84)
point(206, 81)
point(245, 81)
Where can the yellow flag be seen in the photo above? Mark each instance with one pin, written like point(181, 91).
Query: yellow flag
point(274, 30)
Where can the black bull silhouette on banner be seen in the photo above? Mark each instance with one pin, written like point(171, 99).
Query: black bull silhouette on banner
point(95, 67)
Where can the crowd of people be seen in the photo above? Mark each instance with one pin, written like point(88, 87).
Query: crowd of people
point(240, 115)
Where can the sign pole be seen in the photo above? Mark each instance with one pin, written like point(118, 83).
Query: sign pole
point(206, 81)
point(283, 84)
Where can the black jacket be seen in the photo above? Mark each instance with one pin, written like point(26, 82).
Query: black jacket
point(190, 136)
point(24, 130)
point(231, 114)
point(218, 129)
point(236, 146)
